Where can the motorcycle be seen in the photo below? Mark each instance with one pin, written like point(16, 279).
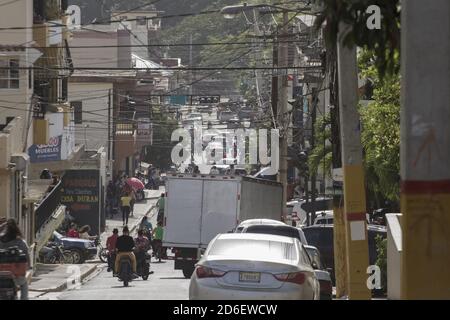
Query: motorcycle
point(125, 272)
point(8, 286)
point(143, 260)
point(13, 264)
point(102, 251)
point(54, 253)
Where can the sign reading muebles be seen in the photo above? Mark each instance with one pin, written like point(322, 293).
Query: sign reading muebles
point(46, 152)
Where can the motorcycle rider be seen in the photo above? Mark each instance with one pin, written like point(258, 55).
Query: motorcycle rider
point(147, 227)
point(142, 244)
point(124, 248)
point(111, 247)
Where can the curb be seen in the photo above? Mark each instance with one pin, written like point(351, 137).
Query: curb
point(63, 286)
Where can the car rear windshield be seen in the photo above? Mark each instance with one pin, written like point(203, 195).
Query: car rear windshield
point(277, 231)
point(253, 249)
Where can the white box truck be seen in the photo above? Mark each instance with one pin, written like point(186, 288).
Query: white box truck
point(198, 207)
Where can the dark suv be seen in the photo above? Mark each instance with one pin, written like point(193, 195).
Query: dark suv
point(321, 237)
point(81, 249)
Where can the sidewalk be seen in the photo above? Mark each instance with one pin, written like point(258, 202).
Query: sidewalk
point(56, 278)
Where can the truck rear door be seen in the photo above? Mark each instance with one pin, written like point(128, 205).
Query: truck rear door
point(220, 202)
point(183, 212)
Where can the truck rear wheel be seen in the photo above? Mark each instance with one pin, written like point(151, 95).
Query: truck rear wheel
point(188, 271)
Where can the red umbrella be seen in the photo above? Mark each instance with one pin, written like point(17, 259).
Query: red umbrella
point(135, 183)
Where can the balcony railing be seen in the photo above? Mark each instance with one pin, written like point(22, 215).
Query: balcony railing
point(48, 206)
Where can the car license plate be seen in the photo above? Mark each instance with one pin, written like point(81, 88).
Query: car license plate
point(250, 277)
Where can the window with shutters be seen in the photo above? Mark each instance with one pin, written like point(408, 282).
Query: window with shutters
point(9, 73)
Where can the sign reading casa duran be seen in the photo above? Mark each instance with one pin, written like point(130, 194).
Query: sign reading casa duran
point(80, 193)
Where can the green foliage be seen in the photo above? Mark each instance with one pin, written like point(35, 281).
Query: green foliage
point(159, 154)
point(385, 42)
point(321, 156)
point(381, 262)
point(381, 133)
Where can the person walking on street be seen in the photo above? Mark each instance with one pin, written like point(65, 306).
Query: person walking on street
point(13, 238)
point(111, 247)
point(158, 234)
point(132, 202)
point(160, 205)
point(125, 205)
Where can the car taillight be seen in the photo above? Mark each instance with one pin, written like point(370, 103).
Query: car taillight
point(326, 286)
point(204, 272)
point(295, 277)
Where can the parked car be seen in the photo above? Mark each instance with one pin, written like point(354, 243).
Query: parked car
point(324, 217)
point(324, 277)
point(254, 266)
point(252, 222)
point(195, 116)
point(233, 123)
point(81, 249)
point(321, 237)
point(205, 109)
point(225, 116)
point(246, 113)
point(265, 174)
point(278, 230)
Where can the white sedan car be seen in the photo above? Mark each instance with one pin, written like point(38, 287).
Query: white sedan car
point(245, 266)
point(252, 222)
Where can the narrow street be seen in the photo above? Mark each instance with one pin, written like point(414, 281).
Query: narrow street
point(165, 283)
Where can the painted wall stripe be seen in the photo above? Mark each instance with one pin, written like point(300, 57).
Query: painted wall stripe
point(425, 187)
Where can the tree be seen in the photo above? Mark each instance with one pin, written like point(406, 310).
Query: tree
point(383, 42)
point(380, 133)
point(321, 156)
point(159, 154)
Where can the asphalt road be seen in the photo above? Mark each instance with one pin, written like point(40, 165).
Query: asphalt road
point(164, 284)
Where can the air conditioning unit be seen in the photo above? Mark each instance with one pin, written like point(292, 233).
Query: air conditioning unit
point(21, 160)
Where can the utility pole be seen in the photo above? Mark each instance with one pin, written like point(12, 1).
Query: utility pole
point(425, 150)
point(191, 77)
point(275, 50)
point(283, 107)
point(339, 233)
point(257, 74)
point(109, 126)
point(312, 146)
point(354, 188)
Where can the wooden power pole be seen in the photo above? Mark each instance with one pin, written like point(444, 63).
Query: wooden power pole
point(354, 188)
